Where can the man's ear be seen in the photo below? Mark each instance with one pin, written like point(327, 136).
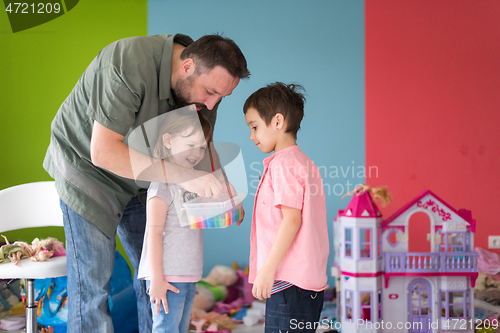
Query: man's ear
point(187, 67)
point(166, 140)
point(279, 121)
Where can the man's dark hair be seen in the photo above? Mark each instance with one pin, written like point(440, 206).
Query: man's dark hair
point(279, 98)
point(215, 50)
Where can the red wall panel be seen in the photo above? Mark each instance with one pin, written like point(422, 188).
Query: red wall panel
point(433, 103)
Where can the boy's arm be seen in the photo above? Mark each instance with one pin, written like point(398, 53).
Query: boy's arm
point(157, 212)
point(289, 226)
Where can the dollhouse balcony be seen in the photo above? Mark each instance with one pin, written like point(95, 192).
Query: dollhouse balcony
point(438, 262)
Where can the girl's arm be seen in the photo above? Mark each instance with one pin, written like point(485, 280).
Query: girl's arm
point(157, 213)
point(289, 226)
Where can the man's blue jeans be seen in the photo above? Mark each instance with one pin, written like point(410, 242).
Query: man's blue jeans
point(90, 261)
point(179, 309)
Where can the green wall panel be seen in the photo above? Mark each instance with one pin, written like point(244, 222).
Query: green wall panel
point(38, 68)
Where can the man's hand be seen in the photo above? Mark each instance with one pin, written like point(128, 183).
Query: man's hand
point(158, 294)
point(263, 284)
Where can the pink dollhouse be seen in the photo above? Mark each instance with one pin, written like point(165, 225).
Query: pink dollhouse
point(386, 288)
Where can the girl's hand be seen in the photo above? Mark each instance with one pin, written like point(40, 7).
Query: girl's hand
point(263, 284)
point(202, 183)
point(158, 294)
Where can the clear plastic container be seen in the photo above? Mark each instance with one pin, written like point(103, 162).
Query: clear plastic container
point(208, 213)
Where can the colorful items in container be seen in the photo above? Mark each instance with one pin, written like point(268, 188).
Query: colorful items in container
point(218, 221)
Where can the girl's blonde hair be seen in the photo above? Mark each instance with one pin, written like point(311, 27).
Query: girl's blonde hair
point(176, 122)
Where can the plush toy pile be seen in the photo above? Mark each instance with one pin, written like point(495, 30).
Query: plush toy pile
point(218, 297)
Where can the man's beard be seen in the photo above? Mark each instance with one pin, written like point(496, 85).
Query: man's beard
point(182, 92)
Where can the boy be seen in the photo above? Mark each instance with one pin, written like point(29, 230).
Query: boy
point(289, 237)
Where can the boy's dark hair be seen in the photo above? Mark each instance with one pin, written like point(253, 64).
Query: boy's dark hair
point(279, 98)
point(215, 50)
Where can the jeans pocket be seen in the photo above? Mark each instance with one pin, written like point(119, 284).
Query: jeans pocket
point(308, 293)
point(279, 322)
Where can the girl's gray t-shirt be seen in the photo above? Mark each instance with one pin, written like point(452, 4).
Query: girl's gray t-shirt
point(182, 246)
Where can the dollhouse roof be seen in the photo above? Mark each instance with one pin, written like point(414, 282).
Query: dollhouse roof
point(361, 205)
point(465, 214)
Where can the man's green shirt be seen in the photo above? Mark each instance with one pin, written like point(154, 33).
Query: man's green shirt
point(127, 84)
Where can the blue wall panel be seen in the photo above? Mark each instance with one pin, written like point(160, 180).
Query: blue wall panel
point(319, 44)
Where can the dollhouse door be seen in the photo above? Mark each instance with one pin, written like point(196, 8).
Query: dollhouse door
point(420, 300)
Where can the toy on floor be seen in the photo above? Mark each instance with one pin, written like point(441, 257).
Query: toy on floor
point(242, 288)
point(211, 321)
point(213, 288)
point(211, 292)
point(38, 250)
point(255, 314)
point(229, 308)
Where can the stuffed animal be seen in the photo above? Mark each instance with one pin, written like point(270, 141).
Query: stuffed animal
point(210, 290)
point(38, 250)
point(213, 288)
point(222, 276)
point(204, 299)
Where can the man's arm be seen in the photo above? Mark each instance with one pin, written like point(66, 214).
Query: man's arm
point(289, 226)
point(109, 151)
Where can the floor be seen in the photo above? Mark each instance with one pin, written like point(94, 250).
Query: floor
point(240, 328)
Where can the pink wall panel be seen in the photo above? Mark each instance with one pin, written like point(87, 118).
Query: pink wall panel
point(433, 103)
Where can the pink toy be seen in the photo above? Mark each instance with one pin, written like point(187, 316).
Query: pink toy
point(245, 287)
point(38, 250)
point(382, 285)
point(221, 307)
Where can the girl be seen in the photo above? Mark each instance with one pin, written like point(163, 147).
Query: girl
point(172, 255)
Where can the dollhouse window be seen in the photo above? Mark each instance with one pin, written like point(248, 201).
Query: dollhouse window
point(366, 305)
point(348, 242)
point(454, 242)
point(379, 242)
point(365, 242)
point(348, 304)
point(392, 238)
point(455, 304)
point(379, 304)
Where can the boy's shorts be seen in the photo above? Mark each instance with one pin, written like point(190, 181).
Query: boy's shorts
point(294, 310)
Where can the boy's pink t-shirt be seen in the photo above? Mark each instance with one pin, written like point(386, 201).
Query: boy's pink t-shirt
point(291, 179)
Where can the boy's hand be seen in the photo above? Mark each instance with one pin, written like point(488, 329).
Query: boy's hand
point(263, 284)
point(158, 294)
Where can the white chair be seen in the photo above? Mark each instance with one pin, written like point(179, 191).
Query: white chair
point(27, 206)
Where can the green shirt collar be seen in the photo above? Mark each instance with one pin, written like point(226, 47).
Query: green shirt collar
point(166, 64)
